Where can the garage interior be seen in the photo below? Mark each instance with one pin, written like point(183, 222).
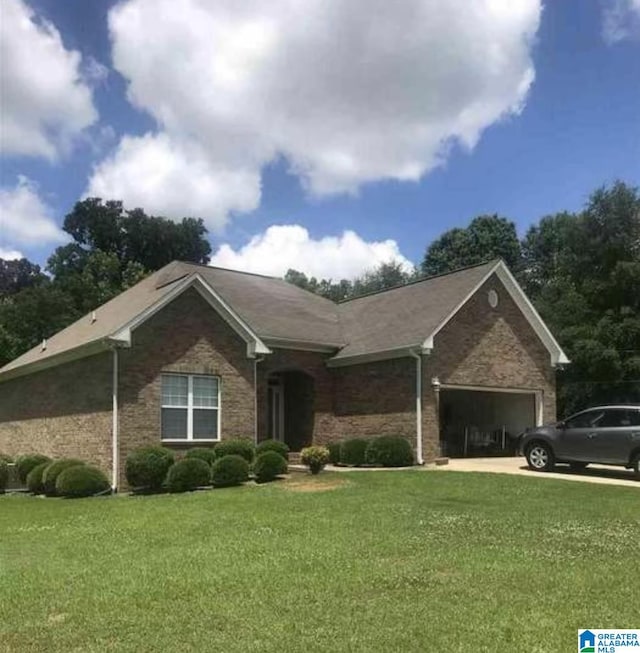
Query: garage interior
point(475, 423)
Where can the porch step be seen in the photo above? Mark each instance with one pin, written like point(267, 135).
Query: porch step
point(294, 458)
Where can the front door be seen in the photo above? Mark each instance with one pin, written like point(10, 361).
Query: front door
point(276, 409)
point(578, 440)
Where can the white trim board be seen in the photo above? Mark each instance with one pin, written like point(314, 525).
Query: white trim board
point(558, 357)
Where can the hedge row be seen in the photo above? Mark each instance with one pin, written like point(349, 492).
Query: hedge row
point(154, 469)
point(383, 451)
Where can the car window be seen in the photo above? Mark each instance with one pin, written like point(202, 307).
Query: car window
point(616, 417)
point(585, 420)
point(634, 417)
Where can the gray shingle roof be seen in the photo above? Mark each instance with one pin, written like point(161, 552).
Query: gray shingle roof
point(275, 309)
point(405, 316)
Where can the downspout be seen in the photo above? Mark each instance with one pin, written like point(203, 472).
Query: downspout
point(256, 360)
point(418, 357)
point(115, 423)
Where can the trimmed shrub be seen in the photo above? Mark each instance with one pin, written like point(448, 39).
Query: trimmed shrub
point(146, 468)
point(229, 470)
point(389, 451)
point(53, 470)
point(81, 481)
point(34, 478)
point(334, 452)
point(202, 453)
point(315, 458)
point(268, 466)
point(4, 475)
point(24, 464)
point(243, 448)
point(273, 445)
point(6, 458)
point(188, 474)
point(352, 452)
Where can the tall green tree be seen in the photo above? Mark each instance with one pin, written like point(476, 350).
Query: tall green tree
point(487, 237)
point(583, 273)
point(18, 274)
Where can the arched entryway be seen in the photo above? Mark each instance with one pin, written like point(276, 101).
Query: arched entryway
point(290, 408)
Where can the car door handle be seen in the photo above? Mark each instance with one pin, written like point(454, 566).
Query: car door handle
point(592, 435)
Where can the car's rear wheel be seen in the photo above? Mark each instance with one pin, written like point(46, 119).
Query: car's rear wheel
point(577, 467)
point(635, 465)
point(540, 457)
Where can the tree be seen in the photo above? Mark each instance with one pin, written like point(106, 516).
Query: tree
point(18, 274)
point(583, 274)
point(487, 237)
point(386, 275)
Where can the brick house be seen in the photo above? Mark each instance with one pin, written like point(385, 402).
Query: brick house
point(194, 354)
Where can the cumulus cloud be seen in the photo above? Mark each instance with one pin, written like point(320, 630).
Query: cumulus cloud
point(174, 178)
point(10, 254)
point(44, 102)
point(282, 247)
point(24, 218)
point(621, 20)
point(349, 92)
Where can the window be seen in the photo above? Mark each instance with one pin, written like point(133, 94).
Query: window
point(190, 407)
point(586, 420)
point(621, 418)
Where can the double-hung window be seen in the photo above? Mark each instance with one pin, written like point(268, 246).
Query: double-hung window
point(190, 407)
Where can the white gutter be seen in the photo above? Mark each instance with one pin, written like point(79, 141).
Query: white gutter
point(115, 423)
point(418, 357)
point(256, 360)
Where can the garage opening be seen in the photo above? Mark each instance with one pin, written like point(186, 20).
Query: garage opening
point(475, 423)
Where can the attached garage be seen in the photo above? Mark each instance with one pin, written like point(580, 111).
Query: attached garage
point(477, 421)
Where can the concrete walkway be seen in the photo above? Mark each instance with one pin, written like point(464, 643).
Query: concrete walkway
point(592, 474)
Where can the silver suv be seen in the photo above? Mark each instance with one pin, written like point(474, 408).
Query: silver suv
point(609, 435)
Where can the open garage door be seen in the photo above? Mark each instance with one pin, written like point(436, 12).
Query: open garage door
point(484, 422)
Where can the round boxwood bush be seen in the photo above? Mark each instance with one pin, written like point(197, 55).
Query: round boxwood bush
point(352, 452)
point(243, 448)
point(202, 453)
point(34, 478)
point(268, 466)
point(24, 464)
point(389, 451)
point(146, 468)
point(4, 475)
point(188, 474)
point(81, 481)
point(273, 445)
point(334, 452)
point(53, 470)
point(229, 470)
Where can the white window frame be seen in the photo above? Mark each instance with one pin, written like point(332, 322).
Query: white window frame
point(190, 407)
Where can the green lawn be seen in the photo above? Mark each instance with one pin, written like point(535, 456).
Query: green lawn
point(385, 561)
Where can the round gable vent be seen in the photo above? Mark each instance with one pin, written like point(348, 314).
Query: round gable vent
point(492, 296)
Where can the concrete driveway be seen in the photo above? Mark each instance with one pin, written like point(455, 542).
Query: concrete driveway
point(593, 473)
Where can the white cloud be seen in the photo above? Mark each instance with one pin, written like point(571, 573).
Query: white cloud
point(621, 20)
point(24, 218)
point(282, 247)
point(10, 254)
point(175, 179)
point(349, 92)
point(44, 101)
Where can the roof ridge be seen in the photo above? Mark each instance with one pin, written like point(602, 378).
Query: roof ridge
point(217, 267)
point(413, 282)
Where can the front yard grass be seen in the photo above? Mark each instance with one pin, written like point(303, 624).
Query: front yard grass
point(382, 561)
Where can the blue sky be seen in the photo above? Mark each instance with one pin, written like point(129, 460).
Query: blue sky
point(576, 127)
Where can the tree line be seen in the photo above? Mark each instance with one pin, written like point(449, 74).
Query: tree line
point(581, 270)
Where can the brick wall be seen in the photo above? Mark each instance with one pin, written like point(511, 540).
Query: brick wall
point(63, 411)
point(484, 346)
point(186, 336)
